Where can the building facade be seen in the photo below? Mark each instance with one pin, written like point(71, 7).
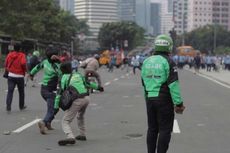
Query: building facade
point(96, 13)
point(143, 14)
point(127, 10)
point(180, 16)
point(221, 13)
point(155, 20)
point(67, 5)
point(192, 14)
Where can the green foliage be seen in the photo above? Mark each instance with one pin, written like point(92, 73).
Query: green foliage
point(38, 19)
point(222, 50)
point(112, 34)
point(203, 38)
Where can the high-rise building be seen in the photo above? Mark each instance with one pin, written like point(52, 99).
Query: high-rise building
point(67, 5)
point(162, 17)
point(96, 12)
point(143, 14)
point(192, 14)
point(199, 14)
point(155, 20)
point(180, 16)
point(127, 10)
point(221, 13)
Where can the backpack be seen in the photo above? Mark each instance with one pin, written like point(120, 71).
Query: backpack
point(68, 96)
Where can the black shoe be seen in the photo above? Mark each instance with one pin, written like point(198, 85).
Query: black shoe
point(66, 141)
point(80, 138)
point(23, 108)
point(8, 110)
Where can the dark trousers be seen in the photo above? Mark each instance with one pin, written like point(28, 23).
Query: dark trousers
point(12, 82)
point(160, 125)
point(134, 69)
point(49, 97)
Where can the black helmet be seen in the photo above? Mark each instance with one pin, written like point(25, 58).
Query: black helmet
point(66, 67)
point(50, 50)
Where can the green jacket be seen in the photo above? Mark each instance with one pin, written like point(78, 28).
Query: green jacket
point(160, 79)
point(77, 81)
point(51, 73)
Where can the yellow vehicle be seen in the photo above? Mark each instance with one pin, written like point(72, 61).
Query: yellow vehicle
point(186, 51)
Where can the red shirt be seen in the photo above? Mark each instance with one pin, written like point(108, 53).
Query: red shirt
point(16, 62)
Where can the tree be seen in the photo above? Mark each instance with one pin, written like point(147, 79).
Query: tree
point(115, 33)
point(38, 19)
point(203, 38)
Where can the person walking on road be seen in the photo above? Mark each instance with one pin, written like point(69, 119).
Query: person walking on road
point(197, 63)
point(79, 105)
point(51, 68)
point(162, 94)
point(34, 60)
point(15, 64)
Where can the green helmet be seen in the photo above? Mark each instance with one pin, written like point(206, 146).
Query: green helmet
point(36, 53)
point(163, 43)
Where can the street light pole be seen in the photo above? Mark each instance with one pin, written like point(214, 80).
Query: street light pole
point(214, 43)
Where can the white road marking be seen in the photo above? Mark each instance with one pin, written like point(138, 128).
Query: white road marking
point(26, 126)
point(115, 79)
point(211, 79)
point(218, 82)
point(107, 83)
point(176, 128)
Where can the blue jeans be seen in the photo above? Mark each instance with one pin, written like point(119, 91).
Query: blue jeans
point(49, 97)
point(12, 82)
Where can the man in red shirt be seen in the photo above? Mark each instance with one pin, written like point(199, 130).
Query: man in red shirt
point(15, 63)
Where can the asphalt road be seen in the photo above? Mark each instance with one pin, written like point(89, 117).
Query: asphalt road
point(116, 119)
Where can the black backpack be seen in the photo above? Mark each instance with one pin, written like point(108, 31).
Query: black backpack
point(68, 96)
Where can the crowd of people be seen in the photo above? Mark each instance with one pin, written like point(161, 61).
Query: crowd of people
point(158, 74)
point(57, 71)
point(208, 62)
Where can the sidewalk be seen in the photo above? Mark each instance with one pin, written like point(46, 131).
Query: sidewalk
point(222, 76)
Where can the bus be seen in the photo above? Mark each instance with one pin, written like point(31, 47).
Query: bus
point(186, 51)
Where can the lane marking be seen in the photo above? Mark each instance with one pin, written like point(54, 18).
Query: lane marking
point(176, 128)
point(115, 79)
point(211, 79)
point(218, 82)
point(107, 83)
point(26, 126)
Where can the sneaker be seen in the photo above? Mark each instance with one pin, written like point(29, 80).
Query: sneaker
point(81, 138)
point(42, 127)
point(23, 108)
point(66, 141)
point(49, 127)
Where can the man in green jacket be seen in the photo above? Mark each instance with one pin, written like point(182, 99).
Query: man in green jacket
point(162, 94)
point(79, 105)
point(51, 73)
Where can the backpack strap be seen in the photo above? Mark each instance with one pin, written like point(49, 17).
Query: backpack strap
point(69, 80)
